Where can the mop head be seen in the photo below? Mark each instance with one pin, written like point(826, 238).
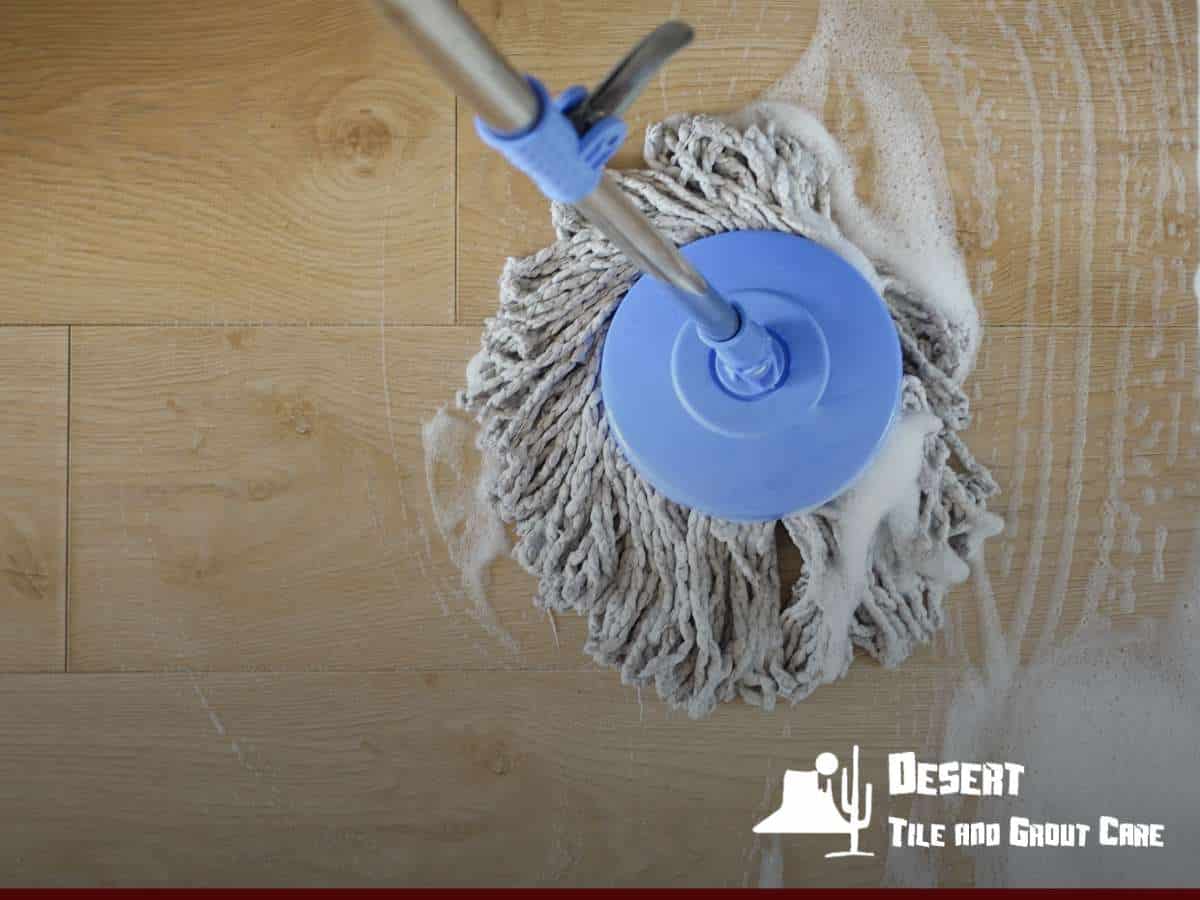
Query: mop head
point(674, 597)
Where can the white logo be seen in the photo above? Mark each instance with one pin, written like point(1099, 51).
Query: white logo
point(808, 806)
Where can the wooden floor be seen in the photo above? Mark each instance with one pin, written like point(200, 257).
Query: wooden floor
point(246, 250)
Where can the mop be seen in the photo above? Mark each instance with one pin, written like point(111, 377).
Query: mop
point(649, 467)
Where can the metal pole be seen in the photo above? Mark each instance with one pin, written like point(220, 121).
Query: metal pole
point(474, 68)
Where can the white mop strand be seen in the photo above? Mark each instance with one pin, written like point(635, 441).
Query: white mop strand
point(674, 597)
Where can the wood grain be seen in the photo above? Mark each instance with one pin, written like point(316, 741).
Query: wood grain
point(999, 136)
point(33, 498)
point(280, 161)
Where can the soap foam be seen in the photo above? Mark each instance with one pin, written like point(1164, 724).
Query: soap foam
point(885, 497)
point(1128, 697)
point(473, 532)
point(910, 228)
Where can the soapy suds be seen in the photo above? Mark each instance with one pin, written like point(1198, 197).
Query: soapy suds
point(910, 226)
point(474, 535)
point(1127, 695)
point(1103, 567)
point(1025, 381)
point(1159, 569)
point(953, 68)
point(1086, 168)
point(888, 491)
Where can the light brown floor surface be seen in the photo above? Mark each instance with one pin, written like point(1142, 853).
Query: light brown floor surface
point(247, 247)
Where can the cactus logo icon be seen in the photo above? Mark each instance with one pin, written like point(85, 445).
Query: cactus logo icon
point(808, 806)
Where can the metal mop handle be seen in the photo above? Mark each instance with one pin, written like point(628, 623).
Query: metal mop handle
point(506, 102)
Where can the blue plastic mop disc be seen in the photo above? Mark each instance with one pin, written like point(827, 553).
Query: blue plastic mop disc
point(788, 450)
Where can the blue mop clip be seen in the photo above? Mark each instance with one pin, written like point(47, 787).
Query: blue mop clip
point(564, 164)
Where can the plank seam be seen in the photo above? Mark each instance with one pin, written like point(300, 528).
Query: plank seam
point(67, 523)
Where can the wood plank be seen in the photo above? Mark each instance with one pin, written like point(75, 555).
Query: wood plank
point(256, 499)
point(1002, 142)
point(237, 503)
point(281, 161)
point(418, 779)
point(33, 498)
